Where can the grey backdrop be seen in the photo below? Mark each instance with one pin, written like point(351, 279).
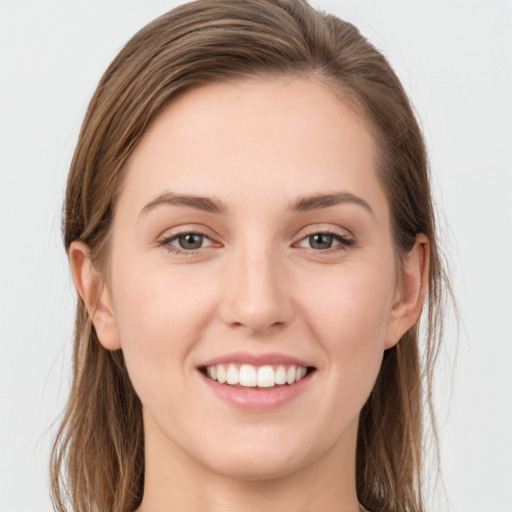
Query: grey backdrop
point(454, 58)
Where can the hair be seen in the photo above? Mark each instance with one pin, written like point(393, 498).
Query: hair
point(98, 457)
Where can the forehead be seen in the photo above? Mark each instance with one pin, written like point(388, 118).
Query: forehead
point(254, 142)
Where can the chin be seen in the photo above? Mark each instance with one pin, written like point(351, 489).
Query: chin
point(248, 469)
point(265, 457)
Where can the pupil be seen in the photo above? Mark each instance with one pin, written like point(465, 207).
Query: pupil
point(320, 241)
point(191, 241)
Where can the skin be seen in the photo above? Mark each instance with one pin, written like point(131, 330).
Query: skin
point(256, 285)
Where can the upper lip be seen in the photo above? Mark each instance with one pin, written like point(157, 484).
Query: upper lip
point(256, 359)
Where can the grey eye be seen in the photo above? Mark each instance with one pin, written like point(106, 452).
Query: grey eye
point(321, 241)
point(190, 241)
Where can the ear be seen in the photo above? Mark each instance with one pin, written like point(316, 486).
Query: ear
point(411, 293)
point(91, 287)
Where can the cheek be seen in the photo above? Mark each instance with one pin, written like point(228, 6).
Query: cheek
point(349, 318)
point(152, 299)
point(160, 317)
point(350, 308)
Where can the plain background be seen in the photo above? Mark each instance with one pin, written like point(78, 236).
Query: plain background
point(455, 60)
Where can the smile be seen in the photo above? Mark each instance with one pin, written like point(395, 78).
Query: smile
point(257, 383)
point(250, 376)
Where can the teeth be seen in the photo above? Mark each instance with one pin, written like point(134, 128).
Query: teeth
point(232, 375)
point(248, 375)
point(281, 375)
point(221, 373)
point(266, 377)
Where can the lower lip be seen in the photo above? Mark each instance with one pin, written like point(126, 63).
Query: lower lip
point(257, 400)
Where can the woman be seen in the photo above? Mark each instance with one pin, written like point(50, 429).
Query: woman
point(250, 231)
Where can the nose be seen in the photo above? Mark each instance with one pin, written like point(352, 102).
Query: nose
point(256, 296)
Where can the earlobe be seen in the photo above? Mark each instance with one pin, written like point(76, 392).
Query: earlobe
point(91, 287)
point(411, 295)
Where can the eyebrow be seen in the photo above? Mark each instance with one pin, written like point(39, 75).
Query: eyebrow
point(213, 205)
point(318, 201)
point(206, 204)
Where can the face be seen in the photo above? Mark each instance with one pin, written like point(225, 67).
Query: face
point(251, 243)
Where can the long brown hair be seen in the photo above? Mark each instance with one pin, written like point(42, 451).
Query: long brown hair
point(98, 456)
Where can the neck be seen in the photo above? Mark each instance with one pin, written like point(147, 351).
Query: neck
point(175, 481)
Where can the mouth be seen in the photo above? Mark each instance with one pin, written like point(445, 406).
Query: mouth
point(248, 376)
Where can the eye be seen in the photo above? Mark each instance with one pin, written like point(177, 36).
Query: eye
point(186, 242)
point(323, 241)
point(190, 241)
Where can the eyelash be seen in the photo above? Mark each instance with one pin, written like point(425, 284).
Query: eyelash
point(166, 242)
point(344, 242)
